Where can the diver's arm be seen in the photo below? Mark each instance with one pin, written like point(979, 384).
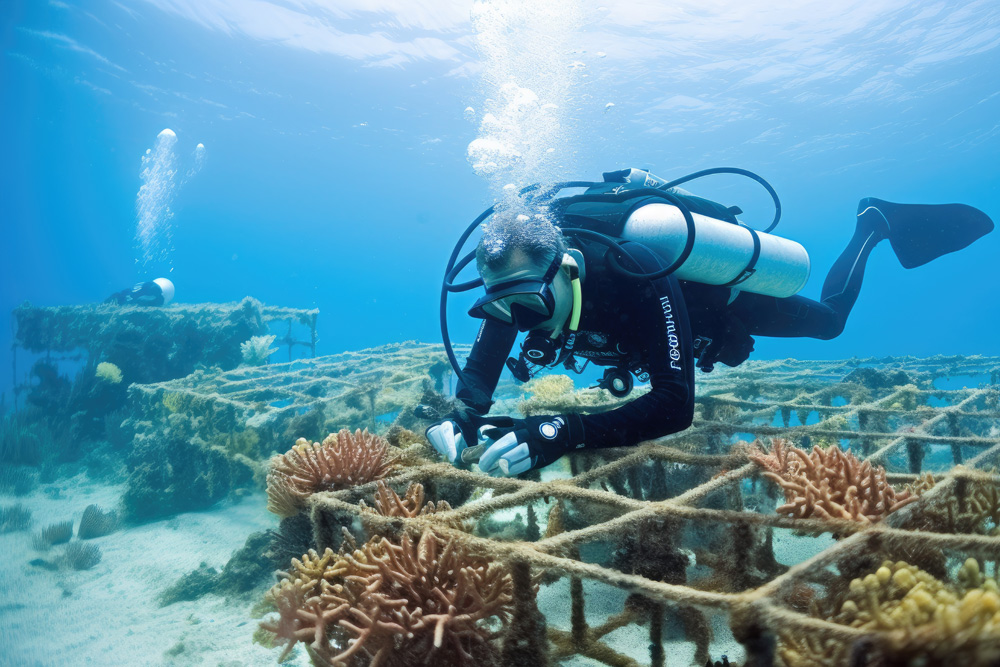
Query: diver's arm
point(660, 320)
point(485, 364)
point(669, 406)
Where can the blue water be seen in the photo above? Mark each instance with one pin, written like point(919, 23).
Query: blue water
point(336, 176)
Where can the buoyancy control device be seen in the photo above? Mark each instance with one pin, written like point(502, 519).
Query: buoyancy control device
point(725, 251)
point(700, 240)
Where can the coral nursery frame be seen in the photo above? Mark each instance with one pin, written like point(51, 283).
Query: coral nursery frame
point(912, 416)
point(915, 424)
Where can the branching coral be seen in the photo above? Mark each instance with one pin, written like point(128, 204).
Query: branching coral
point(973, 508)
point(342, 460)
point(393, 603)
point(257, 350)
point(829, 483)
point(388, 503)
point(916, 616)
point(108, 372)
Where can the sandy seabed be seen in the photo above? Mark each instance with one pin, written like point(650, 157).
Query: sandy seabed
point(109, 615)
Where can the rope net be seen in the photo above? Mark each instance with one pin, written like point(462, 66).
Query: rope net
point(674, 545)
point(679, 538)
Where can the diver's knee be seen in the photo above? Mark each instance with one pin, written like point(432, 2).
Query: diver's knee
point(832, 330)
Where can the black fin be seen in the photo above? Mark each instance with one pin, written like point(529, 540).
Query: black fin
point(919, 233)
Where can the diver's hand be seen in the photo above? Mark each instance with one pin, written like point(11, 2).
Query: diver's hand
point(446, 437)
point(528, 443)
point(457, 436)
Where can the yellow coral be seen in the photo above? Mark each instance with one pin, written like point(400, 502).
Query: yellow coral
point(550, 387)
point(915, 615)
point(554, 393)
point(173, 401)
point(109, 373)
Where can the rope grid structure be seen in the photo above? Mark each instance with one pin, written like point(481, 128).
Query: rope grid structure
point(698, 487)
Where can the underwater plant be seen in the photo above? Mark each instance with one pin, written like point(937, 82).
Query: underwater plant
point(22, 440)
point(829, 483)
point(390, 602)
point(108, 372)
point(342, 460)
point(257, 350)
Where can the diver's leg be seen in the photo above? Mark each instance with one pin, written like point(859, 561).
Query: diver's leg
point(917, 233)
point(797, 316)
point(846, 274)
point(791, 317)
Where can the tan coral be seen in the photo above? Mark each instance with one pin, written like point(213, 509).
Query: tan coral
point(412, 504)
point(973, 508)
point(388, 503)
point(396, 603)
point(342, 460)
point(830, 484)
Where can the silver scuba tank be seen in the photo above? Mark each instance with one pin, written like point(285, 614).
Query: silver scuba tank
point(722, 252)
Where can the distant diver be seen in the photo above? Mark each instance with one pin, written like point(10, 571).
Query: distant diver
point(158, 292)
point(649, 281)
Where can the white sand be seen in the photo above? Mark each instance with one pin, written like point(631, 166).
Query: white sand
point(109, 615)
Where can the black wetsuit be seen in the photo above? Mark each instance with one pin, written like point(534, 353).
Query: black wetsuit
point(140, 294)
point(661, 327)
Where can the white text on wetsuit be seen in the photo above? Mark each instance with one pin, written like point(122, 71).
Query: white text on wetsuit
point(672, 340)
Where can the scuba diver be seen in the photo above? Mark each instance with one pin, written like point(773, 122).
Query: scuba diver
point(650, 281)
point(158, 292)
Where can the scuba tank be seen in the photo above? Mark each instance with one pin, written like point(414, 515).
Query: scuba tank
point(725, 251)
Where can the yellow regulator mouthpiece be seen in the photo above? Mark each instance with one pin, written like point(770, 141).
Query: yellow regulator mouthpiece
point(574, 318)
point(574, 277)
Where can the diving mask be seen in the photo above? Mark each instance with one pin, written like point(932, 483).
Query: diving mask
point(525, 302)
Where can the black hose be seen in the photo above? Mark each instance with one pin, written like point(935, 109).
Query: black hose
point(739, 172)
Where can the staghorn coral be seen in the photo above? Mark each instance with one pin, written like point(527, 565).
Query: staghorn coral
point(342, 460)
point(393, 603)
point(914, 616)
point(108, 372)
point(829, 483)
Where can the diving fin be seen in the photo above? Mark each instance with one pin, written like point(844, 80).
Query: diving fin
point(919, 233)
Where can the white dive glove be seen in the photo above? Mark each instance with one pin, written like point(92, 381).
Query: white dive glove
point(446, 437)
point(505, 455)
point(460, 439)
